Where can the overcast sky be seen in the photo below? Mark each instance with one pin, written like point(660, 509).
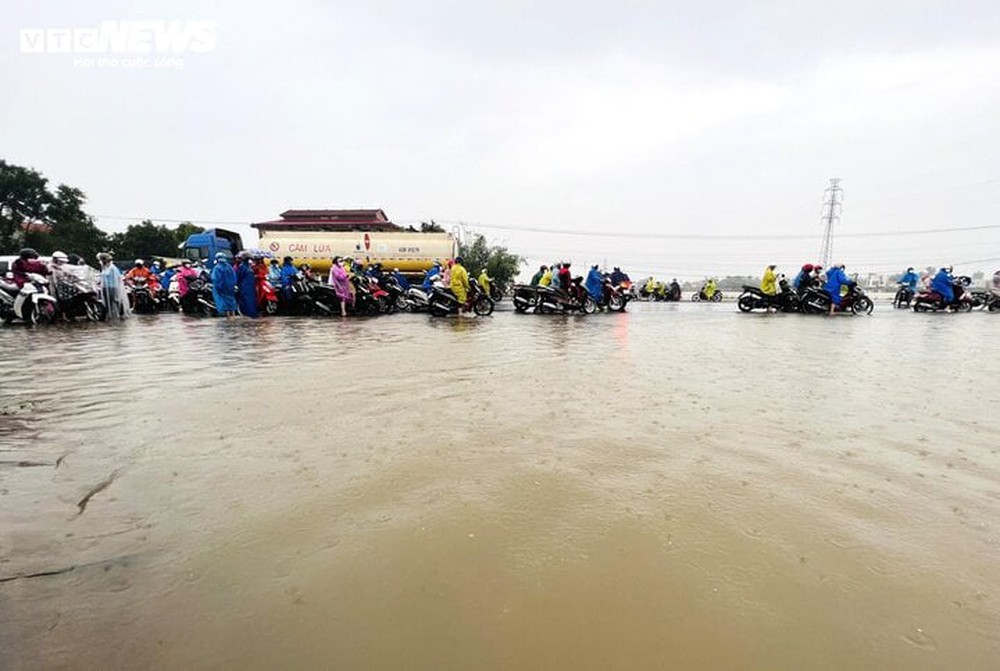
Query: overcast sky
point(633, 119)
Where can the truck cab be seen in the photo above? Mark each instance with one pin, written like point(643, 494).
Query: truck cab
point(202, 247)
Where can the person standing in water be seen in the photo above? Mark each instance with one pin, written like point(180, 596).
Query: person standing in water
point(246, 280)
point(341, 284)
point(224, 286)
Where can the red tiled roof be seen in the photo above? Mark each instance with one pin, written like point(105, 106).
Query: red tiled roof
point(331, 220)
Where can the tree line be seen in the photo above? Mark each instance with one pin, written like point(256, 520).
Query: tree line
point(34, 213)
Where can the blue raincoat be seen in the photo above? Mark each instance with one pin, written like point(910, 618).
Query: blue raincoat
point(224, 287)
point(247, 283)
point(942, 284)
point(835, 278)
point(910, 280)
point(595, 284)
point(429, 276)
point(403, 282)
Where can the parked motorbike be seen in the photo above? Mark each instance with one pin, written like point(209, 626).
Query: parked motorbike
point(932, 301)
point(416, 299)
point(78, 293)
point(443, 302)
point(396, 299)
point(32, 303)
point(198, 300)
point(267, 297)
point(525, 297)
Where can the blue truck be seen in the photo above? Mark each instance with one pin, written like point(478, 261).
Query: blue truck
point(204, 246)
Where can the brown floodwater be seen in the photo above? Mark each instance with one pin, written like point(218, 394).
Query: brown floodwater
point(679, 486)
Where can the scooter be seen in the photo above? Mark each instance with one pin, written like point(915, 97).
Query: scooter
point(33, 304)
point(443, 302)
point(76, 288)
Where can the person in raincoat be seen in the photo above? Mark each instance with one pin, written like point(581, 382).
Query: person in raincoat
point(246, 281)
point(224, 286)
point(835, 279)
point(341, 284)
point(909, 280)
point(400, 278)
point(430, 276)
point(943, 284)
point(113, 288)
point(546, 278)
point(185, 276)
point(769, 285)
point(595, 284)
point(287, 278)
point(710, 288)
point(484, 282)
point(459, 283)
point(537, 277)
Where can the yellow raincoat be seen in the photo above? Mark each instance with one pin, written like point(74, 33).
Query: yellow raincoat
point(460, 282)
point(769, 283)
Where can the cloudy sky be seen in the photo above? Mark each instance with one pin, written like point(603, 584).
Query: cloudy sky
point(681, 139)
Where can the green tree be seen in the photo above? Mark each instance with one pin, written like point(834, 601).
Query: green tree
point(71, 230)
point(499, 263)
point(181, 233)
point(24, 198)
point(431, 227)
point(144, 240)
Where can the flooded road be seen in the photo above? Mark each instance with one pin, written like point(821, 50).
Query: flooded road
point(680, 486)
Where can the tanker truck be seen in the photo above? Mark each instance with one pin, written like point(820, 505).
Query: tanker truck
point(411, 252)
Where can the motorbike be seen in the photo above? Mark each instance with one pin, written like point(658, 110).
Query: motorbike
point(815, 300)
point(31, 303)
point(613, 298)
point(267, 297)
point(786, 300)
point(198, 300)
point(575, 299)
point(142, 297)
point(78, 293)
point(396, 299)
point(497, 291)
point(416, 299)
point(700, 295)
point(443, 302)
point(903, 298)
point(525, 297)
point(369, 297)
point(932, 301)
point(980, 300)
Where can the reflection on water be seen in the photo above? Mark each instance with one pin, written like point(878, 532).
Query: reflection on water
point(678, 486)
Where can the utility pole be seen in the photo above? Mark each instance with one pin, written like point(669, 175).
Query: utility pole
point(833, 198)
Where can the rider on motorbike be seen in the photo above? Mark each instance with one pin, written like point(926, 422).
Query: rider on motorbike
point(140, 271)
point(27, 262)
point(709, 289)
point(769, 284)
point(909, 279)
point(835, 279)
point(804, 279)
point(595, 284)
point(942, 284)
point(484, 282)
point(537, 277)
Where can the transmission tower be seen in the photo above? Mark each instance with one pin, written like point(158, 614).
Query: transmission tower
point(833, 197)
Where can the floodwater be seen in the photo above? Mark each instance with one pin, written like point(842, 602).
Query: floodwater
point(680, 486)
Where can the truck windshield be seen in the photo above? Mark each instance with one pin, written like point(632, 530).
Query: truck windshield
point(196, 253)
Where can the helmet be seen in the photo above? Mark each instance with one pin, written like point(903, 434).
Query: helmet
point(220, 255)
point(140, 262)
point(28, 253)
point(103, 256)
point(808, 268)
point(186, 262)
point(60, 257)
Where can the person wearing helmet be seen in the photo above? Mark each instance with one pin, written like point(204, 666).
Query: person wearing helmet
point(139, 271)
point(224, 286)
point(274, 273)
point(186, 274)
point(835, 279)
point(909, 279)
point(595, 284)
point(59, 258)
point(710, 288)
point(484, 282)
point(27, 262)
point(943, 284)
point(803, 279)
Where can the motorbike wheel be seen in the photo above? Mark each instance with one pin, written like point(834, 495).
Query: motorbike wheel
point(94, 311)
point(963, 306)
point(270, 307)
point(520, 307)
point(717, 297)
point(616, 303)
point(402, 304)
point(863, 305)
point(994, 305)
point(745, 303)
point(45, 314)
point(483, 307)
point(589, 307)
point(696, 297)
point(436, 309)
